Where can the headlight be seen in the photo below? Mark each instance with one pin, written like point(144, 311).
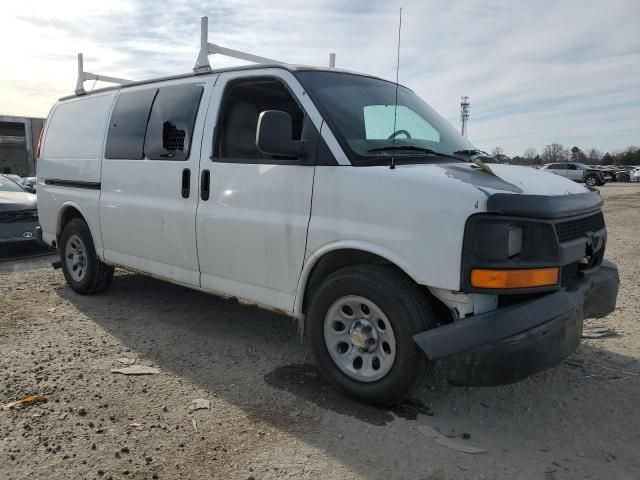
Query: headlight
point(498, 241)
point(501, 252)
point(514, 242)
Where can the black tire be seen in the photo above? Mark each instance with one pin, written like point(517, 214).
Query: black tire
point(406, 307)
point(98, 274)
point(591, 180)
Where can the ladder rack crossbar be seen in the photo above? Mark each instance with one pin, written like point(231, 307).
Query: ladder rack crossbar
point(202, 62)
point(84, 76)
point(206, 49)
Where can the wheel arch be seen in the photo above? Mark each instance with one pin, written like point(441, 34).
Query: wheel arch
point(67, 212)
point(330, 258)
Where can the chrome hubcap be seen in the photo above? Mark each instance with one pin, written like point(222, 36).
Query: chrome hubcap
point(359, 338)
point(75, 258)
point(363, 336)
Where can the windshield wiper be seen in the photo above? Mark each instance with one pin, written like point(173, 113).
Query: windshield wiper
point(472, 152)
point(412, 148)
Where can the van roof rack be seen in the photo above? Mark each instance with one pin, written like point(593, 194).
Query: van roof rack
point(202, 62)
point(83, 76)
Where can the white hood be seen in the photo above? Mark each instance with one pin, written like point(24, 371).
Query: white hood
point(536, 182)
point(505, 178)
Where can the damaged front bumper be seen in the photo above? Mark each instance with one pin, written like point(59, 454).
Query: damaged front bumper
point(510, 343)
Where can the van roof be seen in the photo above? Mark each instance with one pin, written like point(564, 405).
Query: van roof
point(261, 66)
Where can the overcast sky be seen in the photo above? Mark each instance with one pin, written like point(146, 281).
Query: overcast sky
point(537, 72)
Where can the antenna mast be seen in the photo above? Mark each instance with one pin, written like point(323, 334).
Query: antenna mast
point(395, 108)
point(464, 114)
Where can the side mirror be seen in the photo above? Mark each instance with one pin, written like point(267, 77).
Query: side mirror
point(274, 134)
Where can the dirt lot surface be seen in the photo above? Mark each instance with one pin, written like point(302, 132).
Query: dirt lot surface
point(270, 414)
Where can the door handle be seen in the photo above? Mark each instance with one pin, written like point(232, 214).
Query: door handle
point(186, 182)
point(205, 182)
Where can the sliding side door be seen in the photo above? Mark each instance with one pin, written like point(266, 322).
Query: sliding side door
point(150, 178)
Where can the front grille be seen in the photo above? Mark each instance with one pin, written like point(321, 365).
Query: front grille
point(573, 229)
point(21, 216)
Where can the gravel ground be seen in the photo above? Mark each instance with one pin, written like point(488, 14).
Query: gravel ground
point(271, 415)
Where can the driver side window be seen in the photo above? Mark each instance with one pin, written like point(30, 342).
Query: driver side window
point(379, 124)
point(243, 102)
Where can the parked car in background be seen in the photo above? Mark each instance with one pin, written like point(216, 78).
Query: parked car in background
point(634, 175)
point(28, 183)
point(578, 172)
point(608, 172)
point(622, 176)
point(13, 176)
point(18, 212)
point(624, 173)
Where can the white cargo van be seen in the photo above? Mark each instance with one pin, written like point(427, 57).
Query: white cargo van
point(290, 188)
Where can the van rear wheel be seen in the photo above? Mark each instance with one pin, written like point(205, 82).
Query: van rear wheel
point(84, 272)
point(361, 325)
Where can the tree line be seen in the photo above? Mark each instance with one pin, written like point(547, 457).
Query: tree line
point(556, 152)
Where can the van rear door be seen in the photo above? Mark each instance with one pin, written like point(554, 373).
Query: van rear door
point(150, 177)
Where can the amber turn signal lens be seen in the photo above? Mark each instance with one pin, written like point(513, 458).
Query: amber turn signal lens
point(530, 277)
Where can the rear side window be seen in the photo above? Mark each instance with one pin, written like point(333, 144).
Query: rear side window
point(154, 123)
point(76, 128)
point(125, 139)
point(171, 123)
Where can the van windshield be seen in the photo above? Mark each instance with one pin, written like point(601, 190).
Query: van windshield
point(361, 112)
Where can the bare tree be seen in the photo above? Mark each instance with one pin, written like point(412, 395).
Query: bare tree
point(498, 154)
point(554, 153)
point(593, 156)
point(529, 153)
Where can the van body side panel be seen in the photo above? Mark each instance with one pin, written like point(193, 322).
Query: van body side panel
point(69, 164)
point(147, 223)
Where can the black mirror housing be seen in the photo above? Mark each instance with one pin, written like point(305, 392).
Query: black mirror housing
point(274, 134)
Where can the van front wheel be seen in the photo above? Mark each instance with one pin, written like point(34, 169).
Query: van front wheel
point(361, 325)
point(83, 270)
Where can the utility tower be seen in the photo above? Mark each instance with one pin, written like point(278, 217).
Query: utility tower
point(464, 114)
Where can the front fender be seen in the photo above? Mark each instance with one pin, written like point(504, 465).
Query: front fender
point(312, 259)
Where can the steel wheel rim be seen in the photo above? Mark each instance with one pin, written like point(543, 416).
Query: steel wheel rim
point(75, 256)
point(359, 338)
point(591, 182)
